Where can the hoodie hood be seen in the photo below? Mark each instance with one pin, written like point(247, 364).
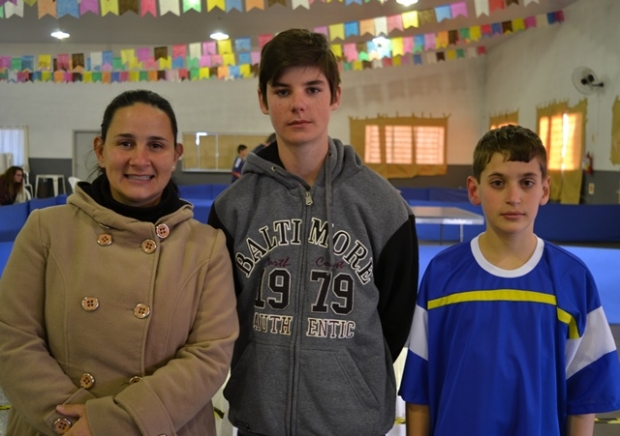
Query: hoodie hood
point(342, 162)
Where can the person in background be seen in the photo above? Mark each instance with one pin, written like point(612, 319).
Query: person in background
point(118, 308)
point(242, 152)
point(326, 263)
point(271, 138)
point(509, 336)
point(12, 187)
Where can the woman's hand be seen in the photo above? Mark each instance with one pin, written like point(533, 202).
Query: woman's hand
point(79, 427)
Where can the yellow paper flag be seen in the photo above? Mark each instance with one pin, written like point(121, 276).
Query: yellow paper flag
point(108, 7)
point(246, 71)
point(398, 48)
point(88, 77)
point(336, 31)
point(410, 19)
point(224, 47)
point(229, 59)
point(128, 55)
point(337, 50)
point(45, 62)
point(134, 76)
point(475, 33)
point(518, 24)
point(211, 4)
point(203, 73)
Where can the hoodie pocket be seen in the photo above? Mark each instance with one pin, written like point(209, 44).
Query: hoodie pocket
point(258, 388)
point(334, 397)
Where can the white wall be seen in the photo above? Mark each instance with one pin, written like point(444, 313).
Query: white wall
point(534, 68)
point(53, 111)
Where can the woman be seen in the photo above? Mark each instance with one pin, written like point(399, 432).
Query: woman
point(118, 309)
point(12, 187)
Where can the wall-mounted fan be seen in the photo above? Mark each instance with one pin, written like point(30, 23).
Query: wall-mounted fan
point(585, 80)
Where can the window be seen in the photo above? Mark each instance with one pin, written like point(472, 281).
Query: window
point(562, 130)
point(204, 151)
point(615, 136)
point(401, 147)
point(13, 148)
point(561, 135)
point(506, 119)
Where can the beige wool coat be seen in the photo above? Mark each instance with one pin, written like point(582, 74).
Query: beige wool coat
point(137, 321)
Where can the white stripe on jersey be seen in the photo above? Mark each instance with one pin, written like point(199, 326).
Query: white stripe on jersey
point(596, 341)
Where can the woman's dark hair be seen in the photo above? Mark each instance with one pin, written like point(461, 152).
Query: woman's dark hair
point(13, 188)
point(129, 98)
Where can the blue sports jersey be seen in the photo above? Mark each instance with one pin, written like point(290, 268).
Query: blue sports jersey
point(509, 352)
point(237, 168)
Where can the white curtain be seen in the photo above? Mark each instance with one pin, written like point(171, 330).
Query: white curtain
point(13, 148)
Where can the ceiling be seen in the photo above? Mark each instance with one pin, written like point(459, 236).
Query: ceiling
point(131, 29)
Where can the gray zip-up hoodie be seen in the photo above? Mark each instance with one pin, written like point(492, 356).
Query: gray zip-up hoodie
point(326, 280)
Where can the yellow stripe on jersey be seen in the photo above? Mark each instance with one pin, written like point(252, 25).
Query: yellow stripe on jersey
point(567, 318)
point(509, 295)
point(496, 295)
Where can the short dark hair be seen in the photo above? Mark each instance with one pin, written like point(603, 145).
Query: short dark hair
point(297, 48)
point(241, 147)
point(515, 143)
point(129, 98)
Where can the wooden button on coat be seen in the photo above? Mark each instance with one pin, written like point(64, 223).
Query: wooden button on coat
point(104, 239)
point(149, 246)
point(90, 303)
point(87, 381)
point(162, 231)
point(141, 311)
point(135, 379)
point(62, 425)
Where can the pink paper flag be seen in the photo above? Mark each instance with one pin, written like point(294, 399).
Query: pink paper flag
point(264, 39)
point(408, 44)
point(255, 57)
point(205, 60)
point(148, 7)
point(143, 53)
point(395, 22)
point(89, 6)
point(530, 22)
point(458, 9)
point(209, 48)
point(429, 41)
point(179, 51)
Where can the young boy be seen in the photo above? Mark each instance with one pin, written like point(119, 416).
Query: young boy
point(242, 152)
point(509, 336)
point(326, 264)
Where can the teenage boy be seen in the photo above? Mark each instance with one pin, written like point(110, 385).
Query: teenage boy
point(242, 152)
point(326, 264)
point(509, 336)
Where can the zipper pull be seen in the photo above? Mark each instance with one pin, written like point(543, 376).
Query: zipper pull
point(308, 199)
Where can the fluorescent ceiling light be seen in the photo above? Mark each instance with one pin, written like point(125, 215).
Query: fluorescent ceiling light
point(60, 34)
point(219, 36)
point(407, 2)
point(380, 41)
